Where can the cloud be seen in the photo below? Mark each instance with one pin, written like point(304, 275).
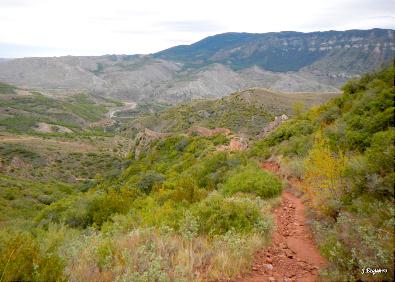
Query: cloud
point(191, 26)
point(94, 27)
point(352, 14)
point(15, 3)
point(8, 50)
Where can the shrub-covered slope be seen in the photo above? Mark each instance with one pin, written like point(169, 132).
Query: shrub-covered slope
point(51, 146)
point(344, 152)
point(246, 112)
point(186, 211)
point(24, 111)
point(177, 212)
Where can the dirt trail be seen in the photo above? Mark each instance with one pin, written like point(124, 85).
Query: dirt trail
point(292, 255)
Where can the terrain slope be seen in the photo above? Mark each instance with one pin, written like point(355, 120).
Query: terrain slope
point(214, 67)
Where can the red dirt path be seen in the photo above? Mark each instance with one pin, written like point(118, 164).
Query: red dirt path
point(292, 255)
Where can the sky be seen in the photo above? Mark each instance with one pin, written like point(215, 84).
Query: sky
point(97, 27)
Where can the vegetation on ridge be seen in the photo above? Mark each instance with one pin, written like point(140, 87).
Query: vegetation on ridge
point(184, 210)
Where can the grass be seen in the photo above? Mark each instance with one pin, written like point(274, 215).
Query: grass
point(160, 255)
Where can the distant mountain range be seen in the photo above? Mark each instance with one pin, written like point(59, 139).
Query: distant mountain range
point(215, 66)
point(289, 51)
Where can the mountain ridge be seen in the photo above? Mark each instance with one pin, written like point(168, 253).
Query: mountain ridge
point(215, 66)
point(230, 40)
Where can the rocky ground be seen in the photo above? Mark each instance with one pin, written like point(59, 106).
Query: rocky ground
point(292, 255)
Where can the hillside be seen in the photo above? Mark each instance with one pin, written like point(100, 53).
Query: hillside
point(144, 78)
point(341, 156)
point(53, 145)
point(185, 209)
point(244, 112)
point(28, 111)
point(214, 67)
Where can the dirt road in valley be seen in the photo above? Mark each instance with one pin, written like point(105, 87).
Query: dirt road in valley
point(126, 107)
point(292, 255)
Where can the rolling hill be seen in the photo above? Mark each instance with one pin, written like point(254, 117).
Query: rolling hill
point(244, 112)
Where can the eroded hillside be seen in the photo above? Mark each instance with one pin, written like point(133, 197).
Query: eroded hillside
point(215, 66)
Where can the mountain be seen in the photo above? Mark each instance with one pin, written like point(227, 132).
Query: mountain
point(289, 51)
point(215, 66)
point(144, 78)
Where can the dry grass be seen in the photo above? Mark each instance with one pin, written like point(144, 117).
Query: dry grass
point(122, 252)
point(154, 255)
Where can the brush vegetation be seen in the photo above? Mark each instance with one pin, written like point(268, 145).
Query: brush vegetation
point(165, 216)
point(343, 152)
point(22, 110)
point(185, 211)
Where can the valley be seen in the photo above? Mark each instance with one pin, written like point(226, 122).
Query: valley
point(77, 140)
point(241, 157)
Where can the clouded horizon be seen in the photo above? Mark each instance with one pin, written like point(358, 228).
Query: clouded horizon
point(96, 27)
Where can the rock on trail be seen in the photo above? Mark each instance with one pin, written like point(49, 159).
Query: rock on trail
point(292, 255)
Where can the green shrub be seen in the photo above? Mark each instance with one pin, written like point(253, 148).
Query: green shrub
point(367, 244)
point(287, 130)
point(148, 180)
point(260, 149)
point(55, 213)
point(84, 210)
point(23, 258)
point(295, 146)
point(220, 139)
point(382, 151)
point(294, 167)
point(149, 211)
point(184, 189)
point(252, 179)
point(101, 208)
point(218, 215)
point(182, 144)
point(213, 169)
point(330, 114)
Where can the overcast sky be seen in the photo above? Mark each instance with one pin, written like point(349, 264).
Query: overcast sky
point(97, 27)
